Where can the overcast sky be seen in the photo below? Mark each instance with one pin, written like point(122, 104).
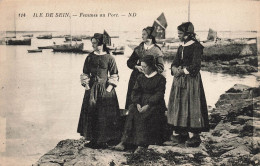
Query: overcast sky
point(221, 15)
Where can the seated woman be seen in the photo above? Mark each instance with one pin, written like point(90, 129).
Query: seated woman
point(146, 119)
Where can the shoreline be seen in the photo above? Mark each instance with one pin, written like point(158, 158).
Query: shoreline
point(233, 139)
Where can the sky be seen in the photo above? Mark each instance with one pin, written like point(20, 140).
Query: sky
point(221, 15)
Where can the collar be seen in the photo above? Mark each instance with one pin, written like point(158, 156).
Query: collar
point(146, 47)
point(187, 44)
point(151, 75)
point(101, 53)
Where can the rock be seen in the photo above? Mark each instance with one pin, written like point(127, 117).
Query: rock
point(182, 150)
point(222, 145)
point(208, 160)
point(235, 96)
point(238, 88)
point(255, 145)
point(240, 61)
point(230, 161)
point(256, 113)
point(256, 131)
point(246, 50)
point(233, 62)
point(225, 63)
point(239, 151)
point(256, 159)
point(225, 128)
point(49, 164)
point(252, 61)
point(243, 119)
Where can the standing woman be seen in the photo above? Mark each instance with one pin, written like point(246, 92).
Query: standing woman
point(187, 108)
point(99, 118)
point(147, 47)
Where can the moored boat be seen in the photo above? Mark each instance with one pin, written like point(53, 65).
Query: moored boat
point(45, 47)
point(28, 35)
point(74, 38)
point(35, 50)
point(68, 47)
point(44, 37)
point(15, 41)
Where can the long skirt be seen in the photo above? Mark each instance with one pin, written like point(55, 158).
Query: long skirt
point(131, 85)
point(187, 107)
point(145, 128)
point(100, 122)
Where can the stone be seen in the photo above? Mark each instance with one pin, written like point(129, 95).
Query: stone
point(49, 164)
point(256, 159)
point(181, 150)
point(255, 145)
point(246, 50)
point(239, 151)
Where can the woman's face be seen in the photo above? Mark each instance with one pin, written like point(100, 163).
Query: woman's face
point(144, 36)
point(147, 69)
point(181, 35)
point(95, 45)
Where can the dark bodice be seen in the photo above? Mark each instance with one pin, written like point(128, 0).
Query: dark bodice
point(100, 67)
point(189, 57)
point(149, 90)
point(139, 52)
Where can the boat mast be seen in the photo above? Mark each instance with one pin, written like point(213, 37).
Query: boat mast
point(14, 25)
point(70, 32)
point(189, 12)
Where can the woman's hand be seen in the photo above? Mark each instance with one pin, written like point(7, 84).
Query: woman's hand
point(139, 108)
point(177, 71)
point(144, 108)
point(139, 68)
point(109, 88)
point(174, 70)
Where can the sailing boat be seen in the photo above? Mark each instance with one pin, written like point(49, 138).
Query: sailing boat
point(17, 41)
point(68, 47)
point(160, 25)
point(212, 35)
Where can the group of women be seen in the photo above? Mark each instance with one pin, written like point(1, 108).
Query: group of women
point(147, 122)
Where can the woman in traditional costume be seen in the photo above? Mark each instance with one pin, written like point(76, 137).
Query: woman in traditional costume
point(146, 120)
point(187, 107)
point(147, 47)
point(99, 120)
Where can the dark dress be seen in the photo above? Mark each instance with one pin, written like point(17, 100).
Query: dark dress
point(148, 127)
point(134, 59)
point(187, 107)
point(100, 116)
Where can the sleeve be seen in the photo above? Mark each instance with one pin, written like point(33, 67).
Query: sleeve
point(159, 93)
point(113, 72)
point(137, 92)
point(86, 67)
point(132, 61)
point(85, 76)
point(159, 61)
point(175, 62)
point(194, 68)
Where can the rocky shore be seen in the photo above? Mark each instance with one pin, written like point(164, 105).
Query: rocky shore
point(234, 139)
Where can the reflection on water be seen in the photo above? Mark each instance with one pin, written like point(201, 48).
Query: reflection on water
point(41, 97)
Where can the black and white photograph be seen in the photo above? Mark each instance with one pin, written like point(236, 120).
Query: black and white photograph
point(129, 83)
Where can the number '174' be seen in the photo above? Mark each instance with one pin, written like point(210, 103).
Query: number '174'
point(21, 14)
